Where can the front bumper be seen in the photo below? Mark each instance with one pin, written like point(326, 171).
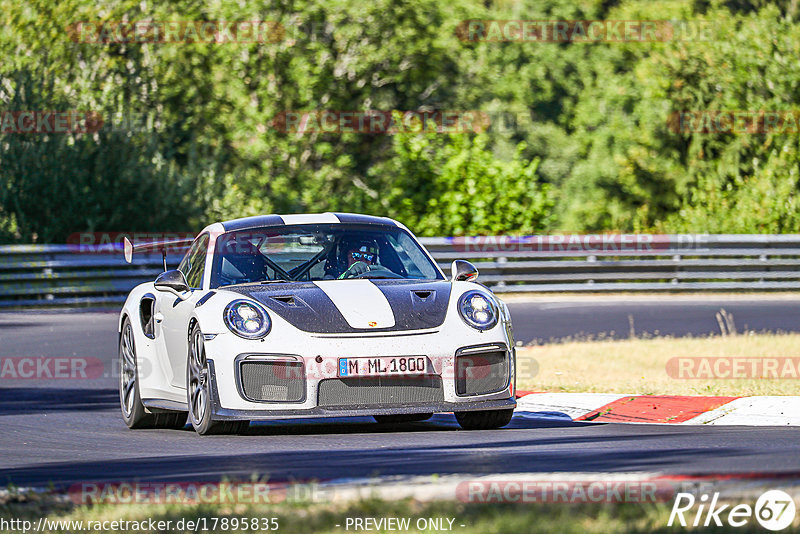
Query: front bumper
point(321, 356)
point(220, 413)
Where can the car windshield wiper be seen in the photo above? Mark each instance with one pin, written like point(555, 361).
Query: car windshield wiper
point(276, 281)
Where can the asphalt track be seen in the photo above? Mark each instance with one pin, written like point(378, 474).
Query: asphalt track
point(69, 431)
point(547, 319)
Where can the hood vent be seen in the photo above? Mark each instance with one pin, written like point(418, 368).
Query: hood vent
point(288, 300)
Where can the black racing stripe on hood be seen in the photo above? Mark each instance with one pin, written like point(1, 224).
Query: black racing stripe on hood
point(411, 310)
point(313, 311)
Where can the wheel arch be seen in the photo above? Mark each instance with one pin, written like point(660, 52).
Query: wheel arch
point(123, 317)
point(130, 309)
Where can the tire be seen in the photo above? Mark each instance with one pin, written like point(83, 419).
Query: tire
point(484, 420)
point(198, 391)
point(402, 418)
point(133, 411)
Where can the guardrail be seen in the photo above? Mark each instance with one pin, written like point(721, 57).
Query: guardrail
point(59, 275)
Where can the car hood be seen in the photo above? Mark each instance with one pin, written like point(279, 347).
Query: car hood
point(350, 306)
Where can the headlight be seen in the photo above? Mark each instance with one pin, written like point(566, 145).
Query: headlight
point(247, 319)
point(478, 310)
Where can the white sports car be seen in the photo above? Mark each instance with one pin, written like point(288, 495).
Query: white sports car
point(328, 315)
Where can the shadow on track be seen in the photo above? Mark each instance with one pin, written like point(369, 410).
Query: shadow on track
point(302, 465)
point(29, 400)
point(369, 449)
point(349, 425)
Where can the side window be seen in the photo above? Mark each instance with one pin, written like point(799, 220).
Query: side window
point(194, 262)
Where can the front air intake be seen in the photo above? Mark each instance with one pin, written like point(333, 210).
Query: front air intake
point(272, 381)
point(482, 372)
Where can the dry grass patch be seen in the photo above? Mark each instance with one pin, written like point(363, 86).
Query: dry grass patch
point(638, 366)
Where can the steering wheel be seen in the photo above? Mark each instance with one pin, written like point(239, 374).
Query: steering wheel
point(377, 271)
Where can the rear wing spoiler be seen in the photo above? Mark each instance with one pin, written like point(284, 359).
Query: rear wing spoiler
point(130, 248)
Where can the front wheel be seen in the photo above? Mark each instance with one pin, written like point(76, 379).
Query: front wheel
point(484, 420)
point(198, 391)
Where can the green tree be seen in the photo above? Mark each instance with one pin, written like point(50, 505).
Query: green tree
point(453, 185)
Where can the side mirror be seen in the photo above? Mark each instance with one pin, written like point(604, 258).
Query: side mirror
point(463, 271)
point(172, 281)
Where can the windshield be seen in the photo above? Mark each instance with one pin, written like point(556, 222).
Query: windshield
point(319, 252)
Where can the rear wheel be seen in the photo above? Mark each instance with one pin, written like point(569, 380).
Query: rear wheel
point(198, 391)
point(402, 418)
point(133, 411)
point(484, 420)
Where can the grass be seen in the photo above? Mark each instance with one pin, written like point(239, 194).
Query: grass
point(331, 518)
point(639, 366)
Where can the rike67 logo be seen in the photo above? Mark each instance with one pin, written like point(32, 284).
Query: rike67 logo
point(774, 510)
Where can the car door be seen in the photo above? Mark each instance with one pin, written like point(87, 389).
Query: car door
point(175, 311)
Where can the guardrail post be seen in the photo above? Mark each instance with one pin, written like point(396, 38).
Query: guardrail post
point(501, 261)
point(48, 275)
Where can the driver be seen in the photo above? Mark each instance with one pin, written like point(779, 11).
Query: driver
point(360, 258)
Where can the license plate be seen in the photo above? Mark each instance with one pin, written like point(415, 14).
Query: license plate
point(384, 366)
